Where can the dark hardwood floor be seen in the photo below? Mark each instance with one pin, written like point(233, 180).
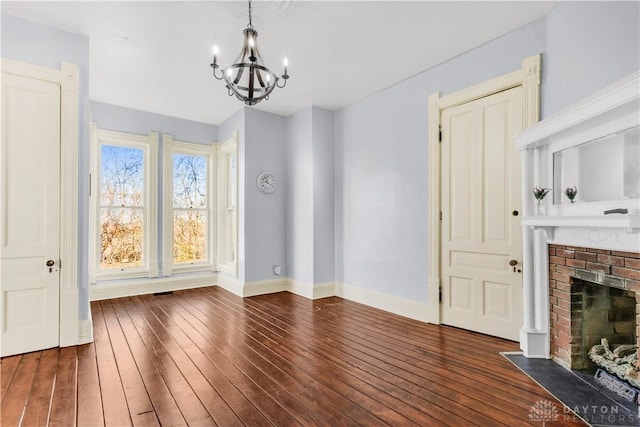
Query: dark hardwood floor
point(208, 357)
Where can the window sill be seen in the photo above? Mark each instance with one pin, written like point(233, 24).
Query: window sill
point(130, 287)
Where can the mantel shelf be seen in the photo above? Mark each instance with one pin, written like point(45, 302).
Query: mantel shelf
point(628, 222)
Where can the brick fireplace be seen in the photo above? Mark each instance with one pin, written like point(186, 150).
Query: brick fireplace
point(583, 253)
point(593, 294)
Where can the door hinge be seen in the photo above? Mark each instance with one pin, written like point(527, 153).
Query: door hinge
point(90, 185)
point(440, 133)
point(440, 215)
point(440, 294)
point(59, 264)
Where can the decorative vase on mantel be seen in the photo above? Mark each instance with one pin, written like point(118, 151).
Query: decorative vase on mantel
point(539, 193)
point(571, 193)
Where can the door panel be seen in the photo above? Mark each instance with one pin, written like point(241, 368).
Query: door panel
point(29, 220)
point(480, 189)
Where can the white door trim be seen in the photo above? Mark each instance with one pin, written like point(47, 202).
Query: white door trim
point(72, 331)
point(529, 78)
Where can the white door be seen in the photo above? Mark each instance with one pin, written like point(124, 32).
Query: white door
point(481, 233)
point(29, 218)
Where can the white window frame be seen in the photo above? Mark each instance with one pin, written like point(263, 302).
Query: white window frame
point(169, 148)
point(149, 145)
point(227, 262)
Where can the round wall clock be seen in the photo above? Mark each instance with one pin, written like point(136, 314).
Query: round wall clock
point(266, 183)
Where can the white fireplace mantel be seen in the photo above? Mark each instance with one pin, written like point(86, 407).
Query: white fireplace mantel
point(583, 224)
point(615, 231)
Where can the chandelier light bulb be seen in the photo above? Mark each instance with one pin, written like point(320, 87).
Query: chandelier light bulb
point(215, 50)
point(252, 42)
point(285, 61)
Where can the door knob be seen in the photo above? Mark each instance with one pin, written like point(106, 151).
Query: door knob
point(513, 262)
point(50, 263)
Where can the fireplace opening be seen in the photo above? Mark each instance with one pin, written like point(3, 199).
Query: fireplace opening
point(594, 301)
point(599, 312)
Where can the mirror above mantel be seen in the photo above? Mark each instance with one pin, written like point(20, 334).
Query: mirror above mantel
point(605, 169)
point(594, 147)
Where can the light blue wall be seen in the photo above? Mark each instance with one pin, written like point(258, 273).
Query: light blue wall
point(589, 46)
point(310, 196)
point(381, 141)
point(300, 219)
point(264, 215)
point(113, 117)
point(37, 44)
point(381, 168)
point(323, 196)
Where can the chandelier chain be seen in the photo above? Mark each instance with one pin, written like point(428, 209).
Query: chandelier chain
point(250, 23)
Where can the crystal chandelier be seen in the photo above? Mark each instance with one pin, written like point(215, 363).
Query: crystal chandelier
point(248, 78)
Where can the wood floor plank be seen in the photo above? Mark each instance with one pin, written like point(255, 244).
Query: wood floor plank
point(305, 382)
point(206, 357)
point(176, 363)
point(17, 396)
point(245, 392)
point(141, 409)
point(293, 399)
point(176, 342)
point(7, 373)
point(64, 404)
point(114, 402)
point(89, 395)
point(36, 412)
point(350, 389)
point(385, 353)
point(405, 379)
point(161, 397)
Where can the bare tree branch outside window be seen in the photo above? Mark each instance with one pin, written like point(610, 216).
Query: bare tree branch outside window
point(190, 208)
point(121, 207)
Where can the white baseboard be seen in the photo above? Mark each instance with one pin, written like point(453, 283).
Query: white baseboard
point(262, 287)
point(82, 334)
point(324, 290)
point(231, 284)
point(301, 288)
point(127, 288)
point(400, 306)
point(311, 291)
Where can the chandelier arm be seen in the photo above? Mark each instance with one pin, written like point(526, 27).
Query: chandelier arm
point(284, 84)
point(214, 68)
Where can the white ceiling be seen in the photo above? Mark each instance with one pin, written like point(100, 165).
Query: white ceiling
point(154, 56)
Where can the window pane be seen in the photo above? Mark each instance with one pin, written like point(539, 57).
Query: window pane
point(189, 236)
point(189, 181)
point(121, 237)
point(121, 176)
